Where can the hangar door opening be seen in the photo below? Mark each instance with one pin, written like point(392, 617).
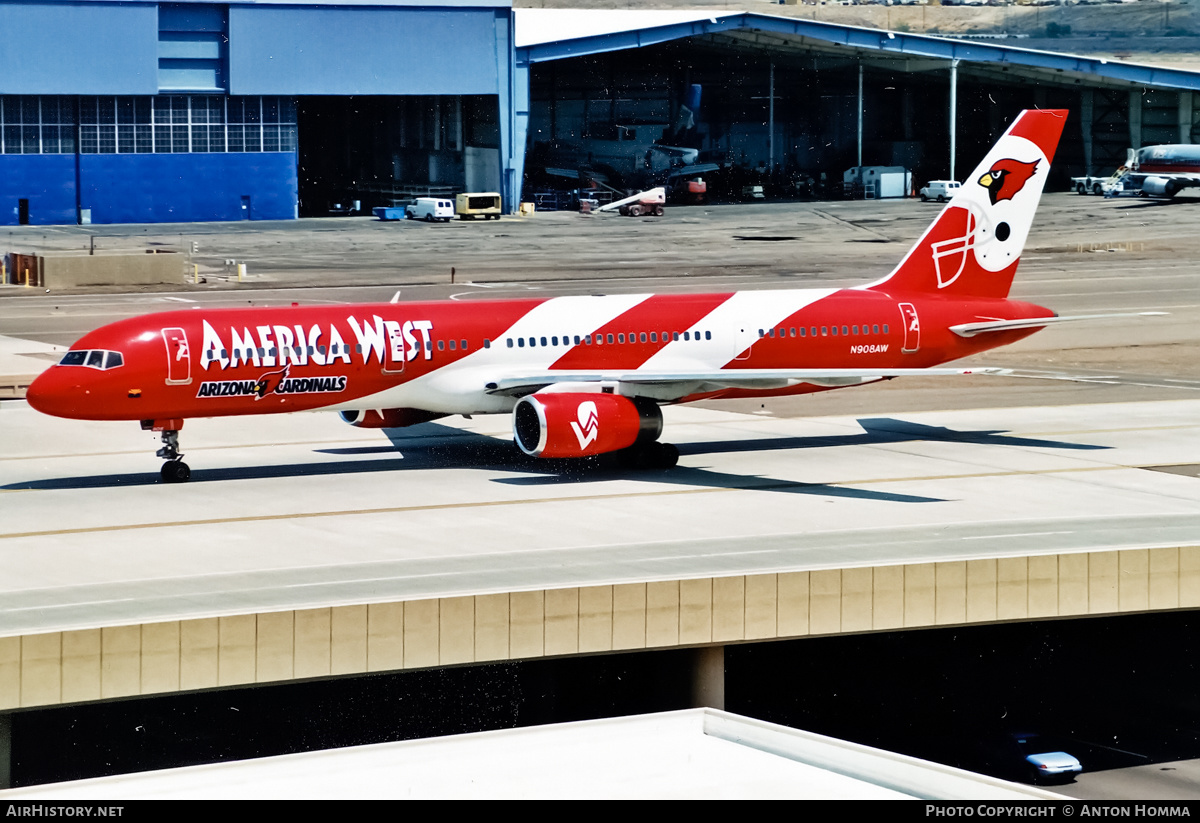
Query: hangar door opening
point(382, 151)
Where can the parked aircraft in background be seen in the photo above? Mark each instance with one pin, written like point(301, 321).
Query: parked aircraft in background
point(1163, 171)
point(581, 375)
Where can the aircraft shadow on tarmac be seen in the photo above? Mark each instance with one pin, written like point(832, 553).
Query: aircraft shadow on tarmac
point(434, 446)
point(1156, 202)
point(884, 430)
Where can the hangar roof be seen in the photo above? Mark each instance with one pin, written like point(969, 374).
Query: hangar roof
point(554, 34)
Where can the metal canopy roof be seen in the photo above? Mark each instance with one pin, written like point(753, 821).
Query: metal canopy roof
point(555, 34)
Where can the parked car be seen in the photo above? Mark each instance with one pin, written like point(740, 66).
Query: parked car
point(1043, 762)
point(1029, 757)
point(430, 209)
point(940, 190)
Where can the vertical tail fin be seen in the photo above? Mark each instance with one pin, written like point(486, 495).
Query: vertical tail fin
point(973, 247)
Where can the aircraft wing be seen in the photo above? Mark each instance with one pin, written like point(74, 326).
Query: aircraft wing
point(695, 168)
point(674, 385)
point(985, 326)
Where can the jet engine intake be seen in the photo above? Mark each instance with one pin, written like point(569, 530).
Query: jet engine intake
point(562, 424)
point(1160, 186)
point(387, 418)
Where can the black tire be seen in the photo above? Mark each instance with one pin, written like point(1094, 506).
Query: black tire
point(175, 471)
point(1097, 189)
point(428, 218)
point(668, 456)
point(941, 198)
point(1080, 188)
point(924, 198)
point(635, 210)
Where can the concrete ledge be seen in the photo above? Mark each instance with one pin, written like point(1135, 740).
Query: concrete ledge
point(65, 271)
point(12, 387)
point(183, 655)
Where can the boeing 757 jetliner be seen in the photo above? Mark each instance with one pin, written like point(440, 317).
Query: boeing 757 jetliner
point(580, 375)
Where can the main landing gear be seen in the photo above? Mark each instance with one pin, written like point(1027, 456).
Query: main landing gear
point(174, 470)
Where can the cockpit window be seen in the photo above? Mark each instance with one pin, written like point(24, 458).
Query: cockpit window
point(96, 359)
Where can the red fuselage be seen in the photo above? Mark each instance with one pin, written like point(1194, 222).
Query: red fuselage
point(445, 357)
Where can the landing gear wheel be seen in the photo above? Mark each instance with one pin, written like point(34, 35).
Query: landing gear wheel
point(175, 471)
point(667, 457)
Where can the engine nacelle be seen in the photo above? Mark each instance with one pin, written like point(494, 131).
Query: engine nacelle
point(387, 418)
point(1160, 186)
point(576, 424)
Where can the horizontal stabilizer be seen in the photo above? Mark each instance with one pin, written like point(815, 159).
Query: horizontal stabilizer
point(985, 326)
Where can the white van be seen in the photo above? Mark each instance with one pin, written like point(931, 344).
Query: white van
point(940, 190)
point(430, 209)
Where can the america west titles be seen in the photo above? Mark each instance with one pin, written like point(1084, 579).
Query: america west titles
point(389, 341)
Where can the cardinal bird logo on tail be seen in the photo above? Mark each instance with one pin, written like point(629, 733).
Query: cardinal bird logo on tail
point(1007, 177)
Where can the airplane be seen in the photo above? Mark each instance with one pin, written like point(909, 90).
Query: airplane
point(1163, 171)
point(580, 375)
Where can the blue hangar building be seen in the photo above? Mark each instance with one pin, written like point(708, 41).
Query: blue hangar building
point(117, 111)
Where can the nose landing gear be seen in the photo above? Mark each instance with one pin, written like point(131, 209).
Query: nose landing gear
point(174, 470)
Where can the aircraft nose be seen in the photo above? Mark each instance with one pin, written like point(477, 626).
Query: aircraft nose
point(50, 393)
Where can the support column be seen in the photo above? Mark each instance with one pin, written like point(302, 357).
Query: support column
point(1087, 104)
point(953, 114)
point(5, 750)
point(771, 118)
point(860, 112)
point(708, 678)
point(513, 100)
point(1135, 119)
point(907, 109)
point(1185, 116)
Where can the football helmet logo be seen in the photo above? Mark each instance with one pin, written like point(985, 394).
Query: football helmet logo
point(962, 223)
